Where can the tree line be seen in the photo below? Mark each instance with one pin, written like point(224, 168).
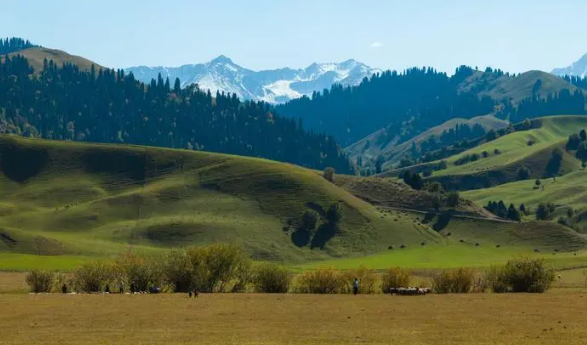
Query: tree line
point(109, 106)
point(406, 103)
point(14, 44)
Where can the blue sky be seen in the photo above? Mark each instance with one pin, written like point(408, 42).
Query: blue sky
point(515, 35)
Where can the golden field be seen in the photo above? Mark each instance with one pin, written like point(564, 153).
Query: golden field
point(557, 317)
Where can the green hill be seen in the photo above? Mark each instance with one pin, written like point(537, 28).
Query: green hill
point(566, 192)
point(77, 199)
point(530, 148)
point(516, 88)
point(369, 148)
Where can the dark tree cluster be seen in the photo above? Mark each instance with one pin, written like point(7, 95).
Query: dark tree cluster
point(543, 211)
point(578, 142)
point(577, 81)
point(413, 180)
point(457, 135)
point(108, 106)
point(499, 209)
point(561, 103)
point(14, 44)
point(405, 103)
point(554, 163)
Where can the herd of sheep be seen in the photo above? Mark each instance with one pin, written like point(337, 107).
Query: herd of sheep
point(409, 291)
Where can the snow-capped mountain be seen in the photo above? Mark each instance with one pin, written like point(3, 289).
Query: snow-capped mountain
point(578, 68)
point(272, 86)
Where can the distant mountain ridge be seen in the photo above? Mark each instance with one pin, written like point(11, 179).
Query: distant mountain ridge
point(578, 68)
point(271, 86)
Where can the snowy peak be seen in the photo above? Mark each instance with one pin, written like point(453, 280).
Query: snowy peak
point(578, 68)
point(272, 86)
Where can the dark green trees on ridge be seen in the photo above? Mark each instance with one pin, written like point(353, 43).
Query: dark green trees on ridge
point(107, 106)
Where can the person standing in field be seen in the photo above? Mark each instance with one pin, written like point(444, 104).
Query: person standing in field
point(121, 287)
point(64, 288)
point(356, 286)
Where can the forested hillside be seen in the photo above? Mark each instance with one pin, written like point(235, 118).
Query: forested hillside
point(409, 103)
point(14, 44)
point(67, 103)
point(406, 103)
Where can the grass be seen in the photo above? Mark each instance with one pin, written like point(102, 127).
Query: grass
point(515, 150)
point(24, 262)
point(454, 255)
point(151, 199)
point(565, 191)
point(552, 318)
point(35, 57)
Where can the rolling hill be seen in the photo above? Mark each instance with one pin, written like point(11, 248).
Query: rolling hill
point(369, 149)
point(76, 200)
point(500, 86)
point(393, 144)
point(36, 56)
point(529, 148)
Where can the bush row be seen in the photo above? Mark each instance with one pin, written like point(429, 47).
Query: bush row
point(227, 268)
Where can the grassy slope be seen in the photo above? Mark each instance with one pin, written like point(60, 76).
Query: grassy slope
point(80, 201)
point(566, 191)
point(90, 200)
point(515, 152)
point(516, 88)
point(358, 149)
point(35, 56)
point(485, 84)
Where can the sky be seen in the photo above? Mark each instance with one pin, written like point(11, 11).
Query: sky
point(514, 35)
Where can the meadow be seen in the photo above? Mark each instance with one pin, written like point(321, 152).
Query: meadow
point(556, 317)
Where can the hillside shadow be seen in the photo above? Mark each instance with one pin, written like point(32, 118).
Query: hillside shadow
point(131, 164)
point(442, 221)
point(20, 164)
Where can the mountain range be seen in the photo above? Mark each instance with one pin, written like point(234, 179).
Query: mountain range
point(271, 86)
point(578, 68)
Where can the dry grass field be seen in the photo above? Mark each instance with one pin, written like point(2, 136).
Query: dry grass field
point(556, 317)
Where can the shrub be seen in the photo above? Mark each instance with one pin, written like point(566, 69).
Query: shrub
point(321, 281)
point(495, 278)
point(523, 173)
point(395, 278)
point(178, 271)
point(367, 280)
point(542, 212)
point(93, 276)
point(453, 281)
point(521, 275)
point(334, 214)
point(40, 281)
point(433, 187)
point(474, 157)
point(485, 154)
point(329, 174)
point(452, 200)
point(462, 160)
point(243, 276)
point(427, 173)
point(310, 220)
point(271, 278)
point(142, 271)
point(220, 263)
point(497, 152)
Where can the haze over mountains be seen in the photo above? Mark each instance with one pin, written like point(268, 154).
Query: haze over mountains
point(271, 86)
point(578, 68)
